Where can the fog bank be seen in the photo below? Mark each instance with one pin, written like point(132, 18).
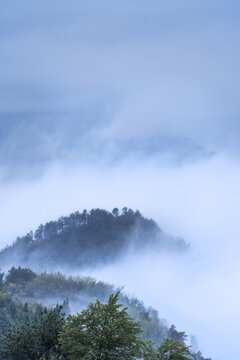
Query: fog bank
point(199, 202)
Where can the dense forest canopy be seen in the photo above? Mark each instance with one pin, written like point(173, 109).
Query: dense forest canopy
point(28, 297)
point(88, 239)
point(28, 328)
point(25, 286)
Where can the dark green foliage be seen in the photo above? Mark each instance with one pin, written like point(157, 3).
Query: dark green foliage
point(13, 314)
point(174, 350)
point(176, 335)
point(19, 276)
point(168, 350)
point(33, 332)
point(28, 287)
point(1, 281)
point(154, 328)
point(35, 339)
point(87, 239)
point(102, 332)
point(52, 288)
point(58, 285)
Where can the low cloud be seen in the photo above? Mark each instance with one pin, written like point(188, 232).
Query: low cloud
point(198, 202)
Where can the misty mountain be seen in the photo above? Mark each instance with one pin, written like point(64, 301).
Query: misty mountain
point(87, 240)
point(30, 141)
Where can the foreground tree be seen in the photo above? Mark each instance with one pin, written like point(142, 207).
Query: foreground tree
point(102, 332)
point(35, 339)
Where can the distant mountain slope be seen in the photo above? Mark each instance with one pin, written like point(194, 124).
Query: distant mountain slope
point(88, 239)
point(30, 140)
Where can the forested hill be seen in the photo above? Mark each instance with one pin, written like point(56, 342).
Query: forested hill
point(24, 295)
point(88, 239)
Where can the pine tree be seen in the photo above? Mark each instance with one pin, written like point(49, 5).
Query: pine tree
point(35, 339)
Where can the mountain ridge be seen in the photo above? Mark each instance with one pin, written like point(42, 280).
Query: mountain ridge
point(88, 239)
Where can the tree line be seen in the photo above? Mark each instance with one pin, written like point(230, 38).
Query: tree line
point(102, 331)
point(87, 238)
point(25, 286)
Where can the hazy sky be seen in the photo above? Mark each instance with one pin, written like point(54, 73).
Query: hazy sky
point(131, 103)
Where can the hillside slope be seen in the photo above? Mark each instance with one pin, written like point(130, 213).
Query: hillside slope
point(88, 239)
point(22, 292)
